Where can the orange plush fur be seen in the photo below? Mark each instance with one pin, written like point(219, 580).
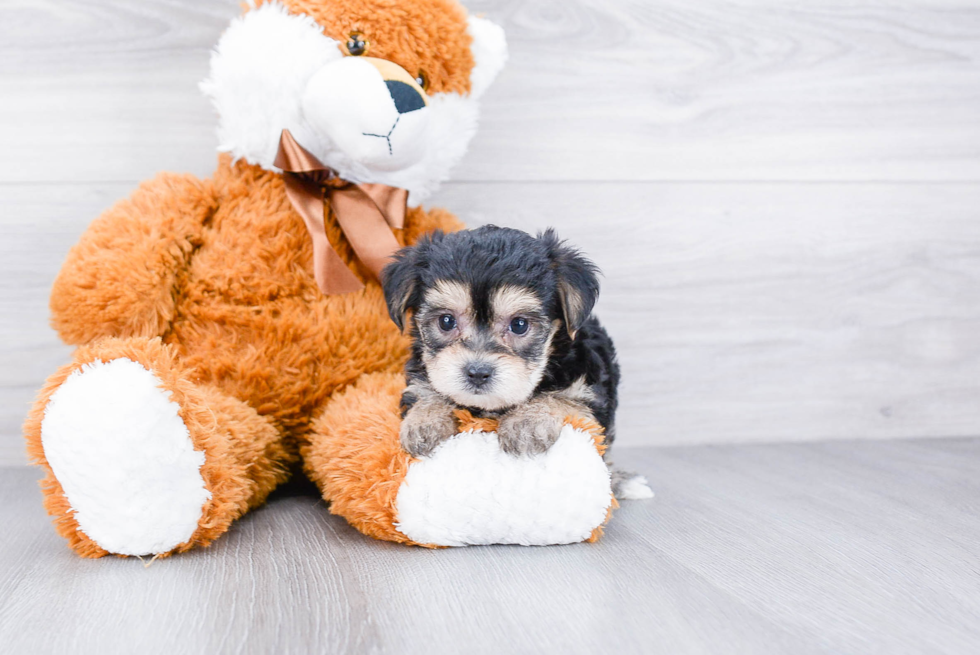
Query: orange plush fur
point(421, 36)
point(210, 285)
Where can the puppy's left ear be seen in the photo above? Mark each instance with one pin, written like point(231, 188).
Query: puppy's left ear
point(401, 279)
point(578, 281)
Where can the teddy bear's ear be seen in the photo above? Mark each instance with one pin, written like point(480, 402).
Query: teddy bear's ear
point(258, 72)
point(489, 53)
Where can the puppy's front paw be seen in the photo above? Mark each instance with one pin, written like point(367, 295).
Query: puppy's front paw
point(528, 431)
point(423, 429)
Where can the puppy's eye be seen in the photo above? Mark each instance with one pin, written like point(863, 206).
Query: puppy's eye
point(519, 325)
point(422, 80)
point(357, 45)
point(447, 322)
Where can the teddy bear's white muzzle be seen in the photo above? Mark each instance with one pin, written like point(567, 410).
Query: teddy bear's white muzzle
point(378, 123)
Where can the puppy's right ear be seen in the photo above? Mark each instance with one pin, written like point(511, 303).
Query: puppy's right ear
point(401, 279)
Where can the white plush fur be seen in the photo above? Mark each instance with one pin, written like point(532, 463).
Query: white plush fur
point(260, 72)
point(489, 53)
point(470, 492)
point(124, 458)
point(452, 123)
point(349, 125)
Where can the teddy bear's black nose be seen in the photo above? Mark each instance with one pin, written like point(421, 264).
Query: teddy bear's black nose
point(405, 96)
point(479, 374)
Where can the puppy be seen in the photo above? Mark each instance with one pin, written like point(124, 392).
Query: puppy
point(502, 326)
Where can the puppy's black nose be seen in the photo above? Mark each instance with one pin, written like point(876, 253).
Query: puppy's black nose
point(405, 96)
point(479, 374)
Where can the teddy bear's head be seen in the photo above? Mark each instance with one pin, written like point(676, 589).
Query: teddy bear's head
point(383, 92)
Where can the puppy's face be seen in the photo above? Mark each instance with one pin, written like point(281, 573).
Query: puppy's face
point(488, 305)
point(484, 348)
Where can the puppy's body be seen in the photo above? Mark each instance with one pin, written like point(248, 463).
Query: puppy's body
point(586, 367)
point(502, 326)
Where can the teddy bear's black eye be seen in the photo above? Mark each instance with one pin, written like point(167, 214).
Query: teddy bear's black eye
point(356, 44)
point(447, 322)
point(422, 81)
point(519, 325)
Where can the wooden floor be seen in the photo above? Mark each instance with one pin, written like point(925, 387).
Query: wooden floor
point(844, 547)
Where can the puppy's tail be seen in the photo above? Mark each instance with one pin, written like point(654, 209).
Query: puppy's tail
point(627, 485)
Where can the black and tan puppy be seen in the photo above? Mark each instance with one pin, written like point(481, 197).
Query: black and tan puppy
point(502, 326)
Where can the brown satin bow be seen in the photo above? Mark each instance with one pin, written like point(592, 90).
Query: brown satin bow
point(366, 213)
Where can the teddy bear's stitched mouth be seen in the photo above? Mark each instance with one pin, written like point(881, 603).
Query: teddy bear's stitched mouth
point(386, 137)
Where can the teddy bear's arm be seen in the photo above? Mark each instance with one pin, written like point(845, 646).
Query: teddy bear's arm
point(118, 280)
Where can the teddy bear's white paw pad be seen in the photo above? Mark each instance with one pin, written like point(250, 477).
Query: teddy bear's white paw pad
point(470, 492)
point(124, 457)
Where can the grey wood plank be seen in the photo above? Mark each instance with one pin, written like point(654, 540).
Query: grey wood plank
point(40, 224)
point(596, 89)
point(742, 312)
point(845, 547)
point(886, 537)
point(106, 90)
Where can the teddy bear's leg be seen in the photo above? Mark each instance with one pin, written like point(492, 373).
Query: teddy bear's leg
point(353, 454)
point(139, 459)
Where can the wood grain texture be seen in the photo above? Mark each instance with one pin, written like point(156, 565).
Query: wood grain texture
point(106, 90)
point(673, 90)
point(742, 312)
point(40, 224)
point(848, 547)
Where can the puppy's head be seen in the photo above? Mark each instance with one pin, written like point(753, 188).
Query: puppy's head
point(487, 308)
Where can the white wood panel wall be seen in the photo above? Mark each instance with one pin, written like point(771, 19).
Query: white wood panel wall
point(784, 196)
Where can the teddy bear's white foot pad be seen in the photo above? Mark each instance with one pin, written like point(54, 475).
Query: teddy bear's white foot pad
point(124, 457)
point(470, 492)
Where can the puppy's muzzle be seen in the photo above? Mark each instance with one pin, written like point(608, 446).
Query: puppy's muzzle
point(478, 374)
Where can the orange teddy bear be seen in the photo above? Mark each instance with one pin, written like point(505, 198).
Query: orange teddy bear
point(212, 320)
point(230, 329)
